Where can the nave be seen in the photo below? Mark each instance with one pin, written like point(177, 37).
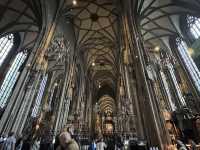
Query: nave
point(99, 74)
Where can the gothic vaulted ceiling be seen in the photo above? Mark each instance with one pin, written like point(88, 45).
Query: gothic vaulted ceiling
point(95, 23)
point(159, 19)
point(107, 105)
point(23, 17)
point(96, 29)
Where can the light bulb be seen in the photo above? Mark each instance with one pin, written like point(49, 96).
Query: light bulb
point(190, 51)
point(157, 48)
point(74, 2)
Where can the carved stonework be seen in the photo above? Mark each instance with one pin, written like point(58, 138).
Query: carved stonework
point(46, 125)
point(57, 53)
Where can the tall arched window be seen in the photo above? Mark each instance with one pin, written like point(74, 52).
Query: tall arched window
point(6, 44)
point(188, 61)
point(39, 96)
point(194, 26)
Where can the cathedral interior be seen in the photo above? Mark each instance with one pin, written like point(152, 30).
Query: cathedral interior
point(105, 67)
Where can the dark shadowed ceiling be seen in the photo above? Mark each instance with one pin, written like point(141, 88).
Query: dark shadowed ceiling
point(159, 19)
point(23, 17)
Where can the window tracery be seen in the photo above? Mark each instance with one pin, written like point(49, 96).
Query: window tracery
point(194, 26)
point(188, 61)
point(6, 44)
point(11, 78)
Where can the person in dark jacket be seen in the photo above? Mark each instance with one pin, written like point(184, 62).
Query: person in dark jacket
point(57, 142)
point(26, 144)
point(92, 145)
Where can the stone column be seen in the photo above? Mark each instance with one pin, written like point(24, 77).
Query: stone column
point(26, 106)
point(16, 100)
point(90, 109)
point(133, 101)
point(65, 94)
point(180, 102)
point(166, 91)
point(146, 95)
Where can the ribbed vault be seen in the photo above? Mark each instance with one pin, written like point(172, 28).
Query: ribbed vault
point(98, 67)
point(95, 24)
point(159, 19)
point(107, 105)
point(23, 17)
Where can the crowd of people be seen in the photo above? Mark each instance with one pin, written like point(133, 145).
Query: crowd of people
point(64, 141)
point(12, 142)
point(113, 142)
point(67, 141)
